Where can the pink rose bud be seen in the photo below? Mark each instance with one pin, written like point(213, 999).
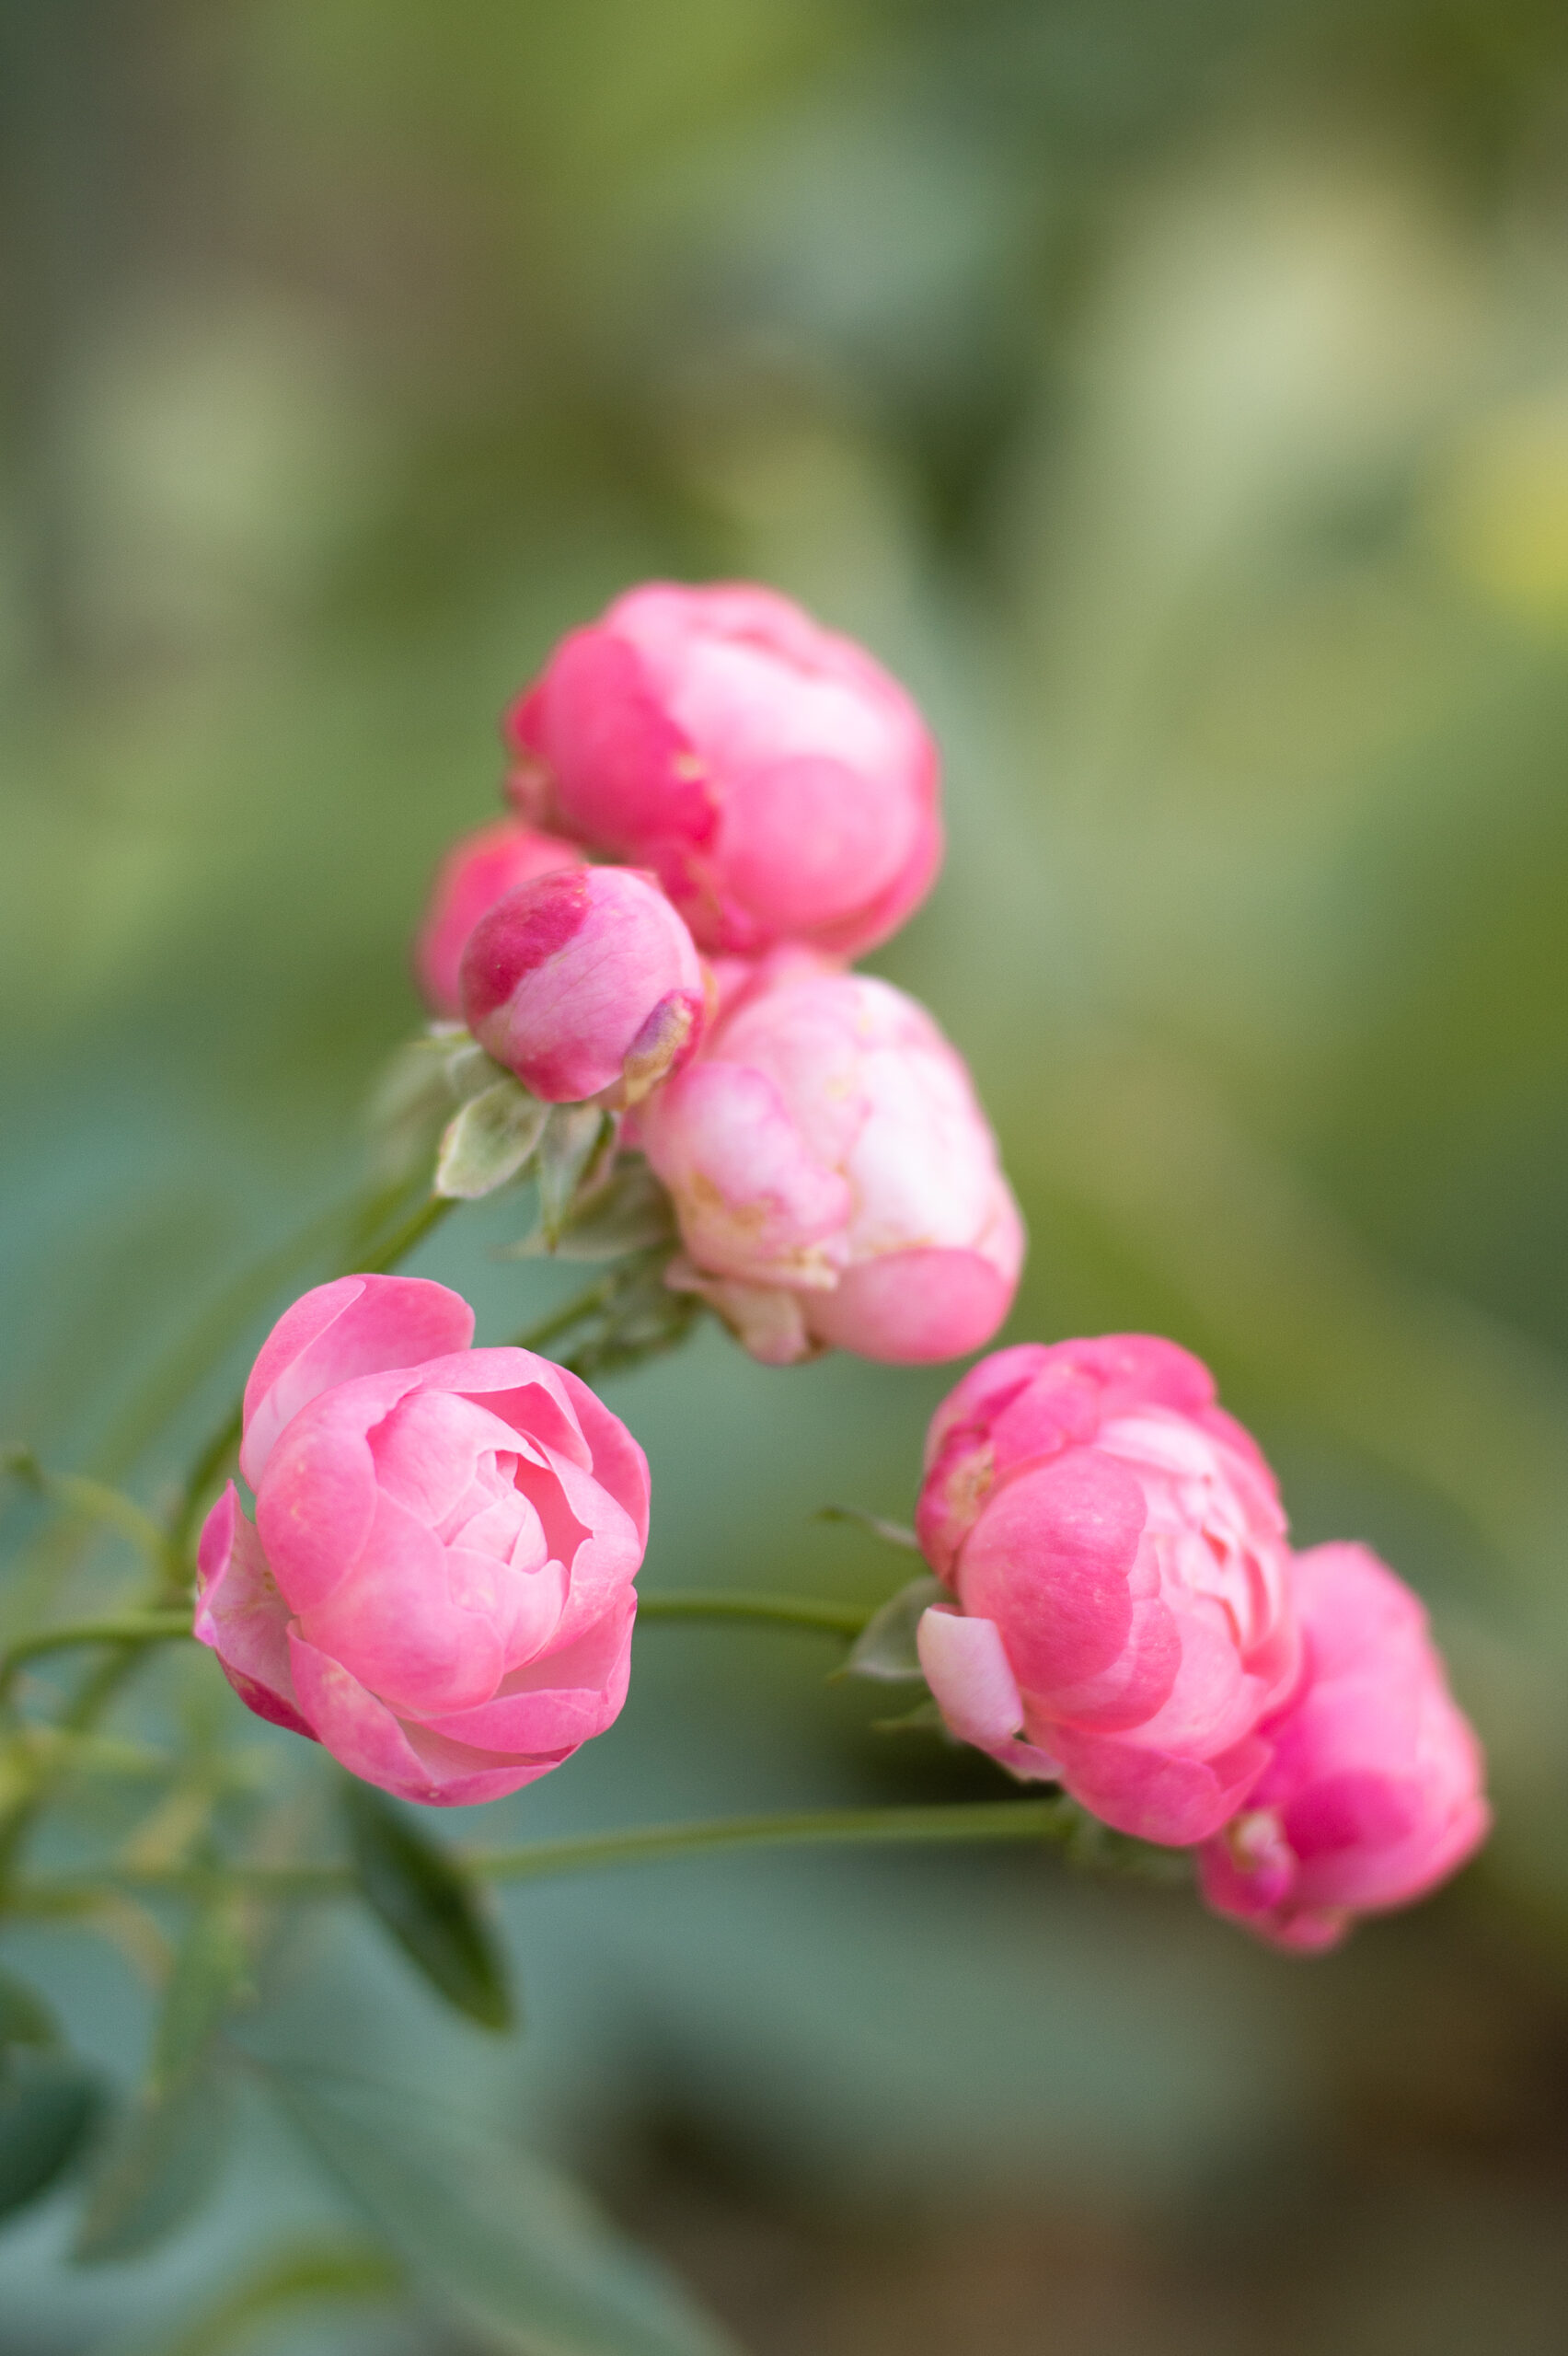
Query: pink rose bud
point(780, 784)
point(438, 1583)
point(478, 871)
point(584, 983)
point(1116, 1550)
point(835, 1178)
point(1373, 1795)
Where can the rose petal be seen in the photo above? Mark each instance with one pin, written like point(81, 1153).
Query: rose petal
point(356, 1326)
point(241, 1615)
point(363, 1734)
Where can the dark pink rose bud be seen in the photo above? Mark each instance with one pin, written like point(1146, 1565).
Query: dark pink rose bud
point(835, 1178)
point(585, 984)
point(438, 1583)
point(478, 870)
point(774, 777)
point(1373, 1794)
point(1113, 1543)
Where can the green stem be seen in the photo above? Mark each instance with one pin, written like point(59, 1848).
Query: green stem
point(97, 1502)
point(1035, 1820)
point(127, 1628)
point(561, 1321)
point(782, 1611)
point(93, 1697)
point(402, 1240)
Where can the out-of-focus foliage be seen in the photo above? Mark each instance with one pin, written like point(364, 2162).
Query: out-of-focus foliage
point(1177, 396)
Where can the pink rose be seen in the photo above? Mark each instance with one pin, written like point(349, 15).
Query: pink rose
point(1115, 1549)
point(1373, 1794)
point(780, 784)
point(478, 871)
point(835, 1178)
point(438, 1584)
point(584, 983)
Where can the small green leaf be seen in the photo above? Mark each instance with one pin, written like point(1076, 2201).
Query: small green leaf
point(886, 1646)
point(209, 1972)
point(50, 2103)
point(25, 2018)
point(573, 1139)
point(431, 1907)
point(489, 1141)
point(162, 2161)
point(511, 2246)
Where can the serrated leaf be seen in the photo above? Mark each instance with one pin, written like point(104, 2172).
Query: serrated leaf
point(25, 2018)
point(160, 2163)
point(511, 2245)
point(573, 1139)
point(210, 1970)
point(886, 1646)
point(50, 2103)
point(432, 1909)
point(489, 1141)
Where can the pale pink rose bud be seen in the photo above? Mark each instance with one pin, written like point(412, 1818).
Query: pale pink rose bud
point(778, 780)
point(1373, 1794)
point(478, 870)
point(438, 1583)
point(585, 983)
point(835, 1178)
point(1120, 1618)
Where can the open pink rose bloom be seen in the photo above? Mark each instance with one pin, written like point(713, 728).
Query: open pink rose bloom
point(835, 1178)
point(478, 870)
point(1372, 1794)
point(584, 983)
point(438, 1585)
point(779, 784)
point(1113, 1543)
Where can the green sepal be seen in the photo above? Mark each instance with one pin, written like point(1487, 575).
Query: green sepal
point(431, 1907)
point(631, 1213)
point(571, 1155)
point(886, 1646)
point(891, 1533)
point(414, 1098)
point(489, 1141)
point(926, 1717)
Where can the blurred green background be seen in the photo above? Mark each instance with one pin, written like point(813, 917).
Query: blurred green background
point(1176, 395)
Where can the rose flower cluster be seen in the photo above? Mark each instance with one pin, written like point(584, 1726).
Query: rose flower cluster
point(1125, 1618)
point(773, 793)
point(717, 805)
